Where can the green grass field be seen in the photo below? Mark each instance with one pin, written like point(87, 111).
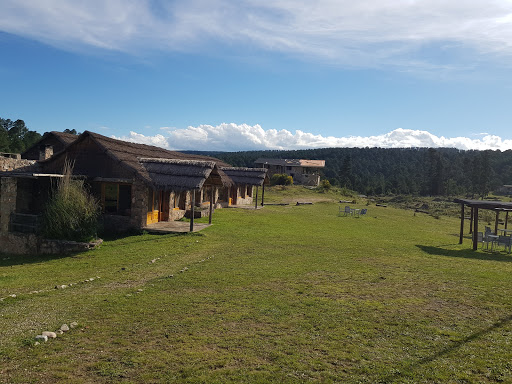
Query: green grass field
point(283, 294)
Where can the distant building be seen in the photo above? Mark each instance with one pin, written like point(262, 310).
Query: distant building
point(304, 172)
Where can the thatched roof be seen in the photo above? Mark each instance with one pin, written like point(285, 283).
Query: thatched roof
point(172, 174)
point(126, 156)
point(249, 176)
point(58, 140)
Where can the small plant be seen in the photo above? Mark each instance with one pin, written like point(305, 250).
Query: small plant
point(71, 213)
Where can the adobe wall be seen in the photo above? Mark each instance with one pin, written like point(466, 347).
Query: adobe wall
point(306, 179)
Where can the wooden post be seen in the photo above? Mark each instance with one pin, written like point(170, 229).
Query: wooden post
point(211, 205)
point(461, 223)
point(506, 220)
point(262, 194)
point(256, 199)
point(496, 223)
point(475, 229)
point(192, 212)
point(471, 222)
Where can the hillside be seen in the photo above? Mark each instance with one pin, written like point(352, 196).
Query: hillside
point(416, 171)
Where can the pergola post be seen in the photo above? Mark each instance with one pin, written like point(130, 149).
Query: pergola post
point(262, 194)
point(471, 221)
point(496, 223)
point(211, 205)
point(461, 223)
point(475, 228)
point(192, 211)
point(256, 199)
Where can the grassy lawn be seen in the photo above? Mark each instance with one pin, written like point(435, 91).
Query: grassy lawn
point(282, 294)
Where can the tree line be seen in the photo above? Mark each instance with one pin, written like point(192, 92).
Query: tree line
point(385, 171)
point(15, 137)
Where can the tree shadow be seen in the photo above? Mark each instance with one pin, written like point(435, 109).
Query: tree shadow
point(466, 253)
point(445, 351)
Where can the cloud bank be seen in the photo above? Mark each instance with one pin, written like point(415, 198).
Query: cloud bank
point(427, 33)
point(242, 137)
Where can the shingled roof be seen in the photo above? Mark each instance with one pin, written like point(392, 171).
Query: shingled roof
point(129, 155)
point(249, 176)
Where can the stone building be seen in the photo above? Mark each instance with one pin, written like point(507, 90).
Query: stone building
point(136, 184)
point(303, 172)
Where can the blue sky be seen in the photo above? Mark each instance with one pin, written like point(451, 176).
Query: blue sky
point(237, 75)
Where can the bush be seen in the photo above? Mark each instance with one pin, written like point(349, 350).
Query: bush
point(324, 186)
point(71, 213)
point(281, 179)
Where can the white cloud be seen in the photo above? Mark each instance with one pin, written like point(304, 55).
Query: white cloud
point(240, 137)
point(357, 33)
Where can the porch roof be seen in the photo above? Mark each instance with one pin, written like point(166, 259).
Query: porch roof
point(249, 176)
point(178, 175)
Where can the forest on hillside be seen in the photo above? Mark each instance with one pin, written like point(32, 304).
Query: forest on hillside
point(415, 171)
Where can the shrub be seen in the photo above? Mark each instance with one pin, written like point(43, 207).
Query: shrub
point(281, 179)
point(324, 186)
point(71, 213)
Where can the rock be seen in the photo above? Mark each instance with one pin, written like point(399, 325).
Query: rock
point(49, 334)
point(59, 332)
point(140, 290)
point(64, 327)
point(170, 276)
point(73, 324)
point(91, 278)
point(37, 343)
point(42, 337)
point(13, 296)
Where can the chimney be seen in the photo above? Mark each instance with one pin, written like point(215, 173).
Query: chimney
point(45, 152)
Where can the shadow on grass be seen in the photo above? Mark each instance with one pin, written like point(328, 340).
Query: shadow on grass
point(8, 260)
point(466, 253)
point(445, 351)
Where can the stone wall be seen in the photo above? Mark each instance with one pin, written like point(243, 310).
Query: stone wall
point(9, 164)
point(139, 207)
point(8, 186)
point(24, 244)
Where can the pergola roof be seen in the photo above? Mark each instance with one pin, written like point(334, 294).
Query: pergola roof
point(484, 204)
point(497, 206)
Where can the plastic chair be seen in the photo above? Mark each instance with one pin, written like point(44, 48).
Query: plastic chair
point(506, 241)
point(347, 211)
point(363, 212)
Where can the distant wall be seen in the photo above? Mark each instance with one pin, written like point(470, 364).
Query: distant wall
point(10, 164)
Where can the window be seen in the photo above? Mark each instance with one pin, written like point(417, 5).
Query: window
point(116, 198)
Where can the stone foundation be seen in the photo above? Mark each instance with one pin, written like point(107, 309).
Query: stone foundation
point(23, 244)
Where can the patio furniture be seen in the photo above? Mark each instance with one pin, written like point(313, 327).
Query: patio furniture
point(347, 211)
point(363, 212)
point(506, 241)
